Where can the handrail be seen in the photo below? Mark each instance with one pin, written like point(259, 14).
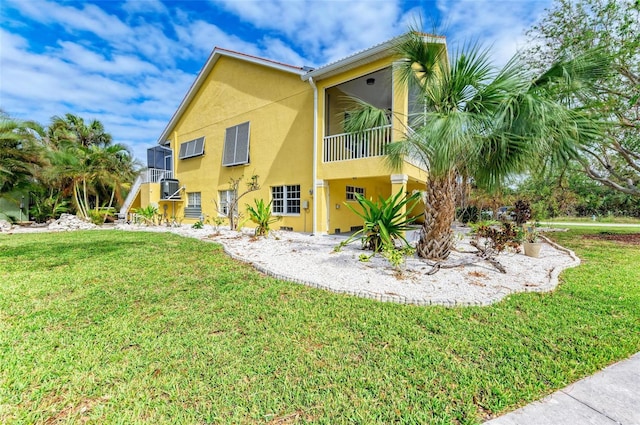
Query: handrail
point(347, 146)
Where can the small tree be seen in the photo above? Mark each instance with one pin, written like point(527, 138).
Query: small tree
point(232, 212)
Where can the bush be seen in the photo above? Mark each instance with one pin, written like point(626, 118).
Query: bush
point(262, 217)
point(47, 207)
point(522, 212)
point(499, 239)
point(470, 214)
point(148, 213)
point(383, 221)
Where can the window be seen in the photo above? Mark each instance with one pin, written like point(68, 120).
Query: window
point(236, 145)
point(226, 199)
point(286, 199)
point(194, 205)
point(192, 148)
point(351, 192)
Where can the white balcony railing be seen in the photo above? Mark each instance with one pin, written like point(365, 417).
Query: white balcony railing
point(154, 175)
point(346, 146)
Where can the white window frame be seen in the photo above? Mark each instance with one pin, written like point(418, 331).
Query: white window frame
point(234, 137)
point(280, 206)
point(194, 205)
point(191, 149)
point(351, 192)
point(194, 199)
point(225, 198)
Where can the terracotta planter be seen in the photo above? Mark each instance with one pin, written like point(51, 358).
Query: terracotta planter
point(532, 249)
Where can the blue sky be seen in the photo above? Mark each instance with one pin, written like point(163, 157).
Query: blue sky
point(130, 63)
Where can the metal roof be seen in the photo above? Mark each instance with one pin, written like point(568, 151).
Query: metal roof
point(363, 57)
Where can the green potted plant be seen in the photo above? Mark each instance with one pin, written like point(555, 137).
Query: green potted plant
point(531, 243)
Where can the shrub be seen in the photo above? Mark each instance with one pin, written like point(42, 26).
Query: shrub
point(397, 257)
point(384, 222)
point(499, 239)
point(262, 217)
point(47, 207)
point(469, 214)
point(147, 214)
point(100, 216)
point(522, 212)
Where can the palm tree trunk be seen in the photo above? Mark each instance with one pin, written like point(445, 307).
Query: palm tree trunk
point(78, 199)
point(436, 235)
point(86, 198)
point(113, 193)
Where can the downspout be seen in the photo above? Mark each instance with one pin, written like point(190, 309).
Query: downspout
point(314, 228)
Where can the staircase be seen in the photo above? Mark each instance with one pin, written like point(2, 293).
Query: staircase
point(122, 215)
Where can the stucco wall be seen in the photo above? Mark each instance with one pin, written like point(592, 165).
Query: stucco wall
point(279, 107)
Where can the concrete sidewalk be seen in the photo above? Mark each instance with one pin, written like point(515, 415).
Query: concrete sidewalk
point(609, 397)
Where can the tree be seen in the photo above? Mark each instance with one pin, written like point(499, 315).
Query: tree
point(72, 128)
point(114, 170)
point(569, 191)
point(85, 164)
point(231, 208)
point(573, 27)
point(480, 123)
point(19, 152)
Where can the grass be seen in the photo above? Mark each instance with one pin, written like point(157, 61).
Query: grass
point(599, 219)
point(117, 327)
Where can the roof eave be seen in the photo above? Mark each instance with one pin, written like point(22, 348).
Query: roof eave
point(361, 58)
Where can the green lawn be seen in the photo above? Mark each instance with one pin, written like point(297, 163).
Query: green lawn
point(598, 220)
point(117, 327)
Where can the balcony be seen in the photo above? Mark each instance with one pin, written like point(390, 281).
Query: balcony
point(346, 146)
point(154, 175)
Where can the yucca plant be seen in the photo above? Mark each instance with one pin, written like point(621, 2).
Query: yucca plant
point(384, 221)
point(148, 214)
point(261, 215)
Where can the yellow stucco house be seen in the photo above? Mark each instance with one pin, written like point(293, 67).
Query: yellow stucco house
point(246, 116)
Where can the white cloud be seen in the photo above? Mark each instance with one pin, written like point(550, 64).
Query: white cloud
point(76, 80)
point(90, 18)
point(322, 31)
point(276, 49)
point(93, 62)
point(500, 25)
point(200, 36)
point(140, 7)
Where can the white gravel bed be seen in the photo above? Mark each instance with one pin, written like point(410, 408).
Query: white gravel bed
point(312, 261)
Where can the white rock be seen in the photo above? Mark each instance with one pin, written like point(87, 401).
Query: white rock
point(5, 226)
point(68, 222)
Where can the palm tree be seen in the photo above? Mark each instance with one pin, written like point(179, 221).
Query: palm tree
point(86, 164)
point(480, 123)
point(72, 128)
point(19, 152)
point(114, 169)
